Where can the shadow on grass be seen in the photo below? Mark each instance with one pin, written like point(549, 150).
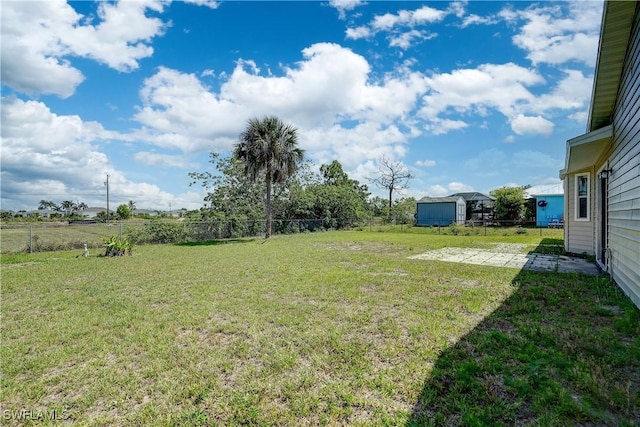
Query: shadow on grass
point(563, 349)
point(552, 246)
point(215, 242)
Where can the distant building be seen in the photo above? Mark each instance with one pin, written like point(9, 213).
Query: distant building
point(549, 200)
point(479, 205)
point(42, 213)
point(90, 213)
point(441, 211)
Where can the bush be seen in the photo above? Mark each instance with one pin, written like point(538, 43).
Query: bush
point(117, 246)
point(159, 232)
point(454, 228)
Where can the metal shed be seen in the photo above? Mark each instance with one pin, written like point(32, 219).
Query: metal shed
point(441, 211)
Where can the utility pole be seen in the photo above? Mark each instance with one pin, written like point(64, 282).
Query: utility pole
point(107, 184)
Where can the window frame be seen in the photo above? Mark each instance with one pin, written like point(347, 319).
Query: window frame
point(587, 197)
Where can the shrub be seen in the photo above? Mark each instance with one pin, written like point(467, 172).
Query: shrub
point(159, 232)
point(117, 246)
point(454, 228)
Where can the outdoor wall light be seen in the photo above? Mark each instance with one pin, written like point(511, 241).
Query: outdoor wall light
point(605, 173)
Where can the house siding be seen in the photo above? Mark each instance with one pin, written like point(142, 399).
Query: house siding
point(624, 182)
point(580, 235)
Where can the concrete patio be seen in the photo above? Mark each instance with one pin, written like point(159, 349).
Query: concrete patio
point(512, 256)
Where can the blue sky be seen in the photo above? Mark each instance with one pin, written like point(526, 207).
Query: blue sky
point(470, 96)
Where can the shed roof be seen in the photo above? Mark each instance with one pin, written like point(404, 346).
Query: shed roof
point(439, 200)
point(474, 196)
point(545, 190)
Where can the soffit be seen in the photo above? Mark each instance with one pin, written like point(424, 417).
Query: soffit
point(614, 38)
point(584, 150)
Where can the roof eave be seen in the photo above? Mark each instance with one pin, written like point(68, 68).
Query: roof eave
point(617, 20)
point(584, 150)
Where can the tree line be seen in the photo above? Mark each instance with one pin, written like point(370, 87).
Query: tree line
point(71, 209)
point(267, 177)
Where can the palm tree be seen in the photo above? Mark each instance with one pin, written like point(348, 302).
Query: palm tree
point(47, 204)
point(67, 205)
point(268, 149)
point(79, 207)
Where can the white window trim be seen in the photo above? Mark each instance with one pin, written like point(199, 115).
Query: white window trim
point(576, 198)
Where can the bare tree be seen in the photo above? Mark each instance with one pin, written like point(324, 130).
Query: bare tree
point(392, 176)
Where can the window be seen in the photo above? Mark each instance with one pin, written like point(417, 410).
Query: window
point(582, 197)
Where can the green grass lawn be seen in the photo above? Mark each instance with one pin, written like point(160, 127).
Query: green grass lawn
point(312, 329)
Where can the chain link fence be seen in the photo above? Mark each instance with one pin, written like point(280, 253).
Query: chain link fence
point(54, 236)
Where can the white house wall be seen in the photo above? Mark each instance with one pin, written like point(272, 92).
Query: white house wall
point(624, 182)
point(579, 235)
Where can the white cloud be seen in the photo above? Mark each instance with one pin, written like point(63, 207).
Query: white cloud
point(409, 18)
point(458, 8)
point(358, 33)
point(354, 146)
point(510, 139)
point(172, 117)
point(329, 96)
point(38, 38)
point(32, 52)
point(425, 163)
point(67, 164)
point(535, 125)
point(341, 111)
point(509, 15)
point(439, 190)
point(502, 87)
point(407, 39)
point(211, 4)
point(344, 6)
point(401, 26)
point(163, 160)
point(458, 187)
point(572, 92)
point(438, 126)
point(121, 38)
point(329, 80)
point(478, 20)
point(41, 39)
point(580, 116)
point(552, 34)
point(560, 33)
